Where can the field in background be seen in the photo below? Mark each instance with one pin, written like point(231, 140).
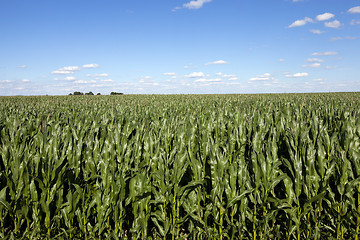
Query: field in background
point(282, 166)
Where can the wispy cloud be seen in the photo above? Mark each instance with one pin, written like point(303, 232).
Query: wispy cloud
point(62, 72)
point(343, 38)
point(316, 31)
point(354, 9)
point(98, 75)
point(204, 80)
point(195, 75)
point(169, 74)
point(315, 60)
point(5, 81)
point(264, 77)
point(302, 22)
point(314, 65)
point(70, 78)
point(330, 67)
point(71, 68)
point(354, 22)
point(107, 80)
point(92, 65)
point(22, 66)
point(325, 53)
point(217, 62)
point(196, 4)
point(297, 75)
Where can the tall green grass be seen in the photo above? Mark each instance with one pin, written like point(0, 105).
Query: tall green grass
point(180, 167)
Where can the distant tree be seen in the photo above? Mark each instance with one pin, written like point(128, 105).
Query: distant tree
point(116, 93)
point(98, 93)
point(89, 93)
point(70, 94)
point(78, 93)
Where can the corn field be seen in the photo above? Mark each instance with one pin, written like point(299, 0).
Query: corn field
point(283, 166)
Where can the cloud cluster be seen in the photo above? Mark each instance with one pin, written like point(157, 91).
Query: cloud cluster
point(73, 69)
point(319, 18)
point(264, 77)
point(66, 70)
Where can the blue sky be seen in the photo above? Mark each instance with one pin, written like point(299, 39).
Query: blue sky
point(179, 46)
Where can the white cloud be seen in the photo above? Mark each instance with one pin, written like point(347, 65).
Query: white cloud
point(70, 78)
point(330, 67)
point(196, 4)
point(316, 31)
point(107, 80)
point(264, 77)
point(71, 68)
point(297, 75)
point(84, 82)
point(92, 65)
point(217, 62)
point(169, 74)
point(25, 80)
point(204, 80)
point(301, 22)
point(219, 74)
point(81, 82)
point(355, 22)
point(22, 66)
point(99, 75)
point(314, 65)
point(66, 70)
point(315, 60)
point(229, 76)
point(233, 78)
point(354, 9)
point(146, 79)
point(343, 38)
point(195, 75)
point(325, 16)
point(62, 72)
point(325, 53)
point(5, 81)
point(282, 60)
point(333, 24)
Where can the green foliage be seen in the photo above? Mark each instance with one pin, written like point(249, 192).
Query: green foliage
point(116, 93)
point(180, 167)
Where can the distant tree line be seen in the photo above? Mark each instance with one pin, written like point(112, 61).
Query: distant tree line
point(91, 93)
